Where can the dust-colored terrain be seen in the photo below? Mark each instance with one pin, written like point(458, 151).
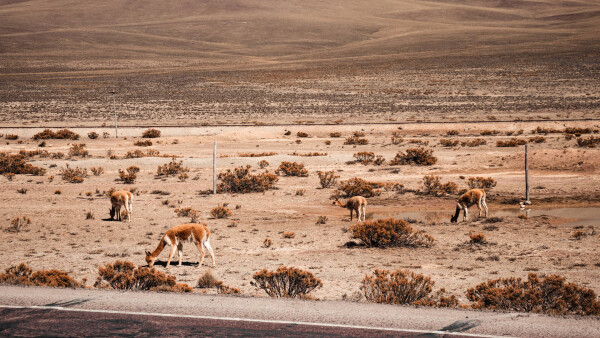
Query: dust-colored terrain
point(562, 175)
point(242, 72)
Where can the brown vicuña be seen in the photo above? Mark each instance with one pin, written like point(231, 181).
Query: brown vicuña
point(356, 203)
point(118, 199)
point(176, 236)
point(470, 198)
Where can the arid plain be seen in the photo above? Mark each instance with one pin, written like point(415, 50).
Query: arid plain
point(243, 73)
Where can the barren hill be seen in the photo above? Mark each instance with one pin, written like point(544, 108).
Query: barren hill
point(118, 41)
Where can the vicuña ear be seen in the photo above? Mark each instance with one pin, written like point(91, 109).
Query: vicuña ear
point(147, 253)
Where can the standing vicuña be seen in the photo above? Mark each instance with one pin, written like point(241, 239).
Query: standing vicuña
point(356, 203)
point(176, 236)
point(118, 199)
point(471, 197)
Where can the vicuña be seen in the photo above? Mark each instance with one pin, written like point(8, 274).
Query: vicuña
point(356, 203)
point(118, 199)
point(176, 236)
point(470, 198)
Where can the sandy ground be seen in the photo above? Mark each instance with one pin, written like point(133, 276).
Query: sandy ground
point(61, 237)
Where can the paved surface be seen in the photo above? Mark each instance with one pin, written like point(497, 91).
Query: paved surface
point(68, 312)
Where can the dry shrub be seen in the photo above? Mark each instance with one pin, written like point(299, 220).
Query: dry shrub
point(9, 176)
point(220, 212)
point(124, 275)
point(421, 142)
point(300, 192)
point(322, 220)
point(432, 185)
point(73, 175)
point(358, 134)
point(263, 164)
point(89, 215)
point(184, 212)
point(64, 134)
point(145, 143)
point(183, 177)
point(257, 154)
point(286, 282)
point(308, 154)
point(78, 149)
point(24, 275)
point(97, 171)
point(12, 137)
point(130, 175)
point(267, 242)
point(490, 132)
point(172, 168)
point(18, 223)
point(22, 191)
point(511, 143)
point(288, 235)
point(151, 133)
point(301, 134)
point(364, 157)
point(241, 181)
point(17, 165)
point(92, 135)
point(397, 139)
point(523, 217)
point(477, 238)
point(474, 143)
point(287, 133)
point(206, 281)
point(404, 287)
point(537, 139)
point(327, 179)
point(223, 289)
point(292, 169)
point(42, 144)
point(578, 234)
point(540, 130)
point(355, 140)
point(481, 183)
point(390, 232)
point(448, 143)
point(589, 142)
point(540, 294)
point(417, 156)
point(576, 130)
point(452, 132)
point(335, 134)
point(359, 187)
point(57, 192)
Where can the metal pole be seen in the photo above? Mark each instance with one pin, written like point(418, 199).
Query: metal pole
point(115, 110)
point(215, 169)
point(527, 174)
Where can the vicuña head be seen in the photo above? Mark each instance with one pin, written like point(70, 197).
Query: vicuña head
point(176, 236)
point(470, 198)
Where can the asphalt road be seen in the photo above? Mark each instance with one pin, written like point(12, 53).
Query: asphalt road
point(35, 311)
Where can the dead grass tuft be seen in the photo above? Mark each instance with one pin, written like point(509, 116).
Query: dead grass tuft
point(355, 140)
point(416, 156)
point(288, 282)
point(124, 275)
point(432, 185)
point(172, 168)
point(129, 176)
point(73, 175)
point(390, 232)
point(241, 181)
point(64, 134)
point(220, 212)
point(481, 183)
point(359, 187)
point(292, 169)
point(151, 133)
point(327, 179)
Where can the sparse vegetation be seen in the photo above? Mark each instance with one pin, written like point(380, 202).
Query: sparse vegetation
point(263, 164)
point(404, 287)
point(265, 154)
point(292, 169)
point(432, 185)
point(223, 289)
point(481, 183)
point(11, 137)
point(144, 143)
point(448, 143)
point(288, 235)
point(17, 165)
point(151, 133)
point(78, 149)
point(124, 275)
point(241, 181)
point(390, 232)
point(18, 223)
point(130, 175)
point(541, 294)
point(321, 220)
point(416, 156)
point(511, 143)
point(172, 168)
point(64, 134)
point(359, 187)
point(537, 139)
point(220, 212)
point(301, 134)
point(206, 281)
point(24, 275)
point(327, 179)
point(335, 134)
point(477, 238)
point(267, 243)
point(73, 175)
point(286, 282)
point(474, 143)
point(355, 140)
point(97, 171)
point(590, 142)
point(92, 135)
